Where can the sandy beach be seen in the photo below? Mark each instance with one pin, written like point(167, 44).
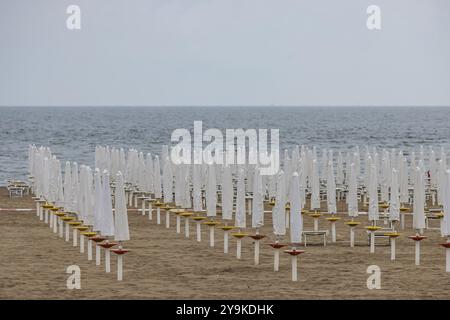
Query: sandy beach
point(165, 265)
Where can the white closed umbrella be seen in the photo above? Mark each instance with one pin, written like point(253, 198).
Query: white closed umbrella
point(373, 204)
point(68, 187)
point(394, 203)
point(373, 195)
point(331, 189)
point(227, 203)
point(257, 210)
point(240, 217)
point(121, 228)
point(107, 218)
point(196, 188)
point(418, 208)
point(98, 200)
point(122, 232)
point(419, 200)
point(315, 187)
point(296, 222)
point(279, 217)
point(211, 199)
point(296, 227)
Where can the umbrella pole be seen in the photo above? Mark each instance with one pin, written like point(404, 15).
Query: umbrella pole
point(81, 243)
point(352, 237)
point(211, 236)
point(46, 215)
point(199, 231)
point(417, 258)
point(447, 256)
point(50, 220)
point(167, 219)
point(150, 211)
point(186, 227)
point(276, 259)
point(372, 242)
point(294, 267)
point(158, 215)
point(239, 248)
point(257, 248)
point(143, 207)
point(178, 224)
point(392, 248)
point(333, 231)
point(61, 227)
point(67, 232)
point(119, 267)
point(225, 241)
point(107, 260)
point(97, 255)
point(89, 247)
point(75, 237)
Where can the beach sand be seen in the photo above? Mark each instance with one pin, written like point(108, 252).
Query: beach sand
point(165, 265)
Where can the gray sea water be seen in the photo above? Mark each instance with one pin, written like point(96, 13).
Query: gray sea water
point(73, 132)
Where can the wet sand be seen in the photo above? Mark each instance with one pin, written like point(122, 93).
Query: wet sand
point(165, 265)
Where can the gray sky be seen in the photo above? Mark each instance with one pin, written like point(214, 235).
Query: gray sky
point(224, 52)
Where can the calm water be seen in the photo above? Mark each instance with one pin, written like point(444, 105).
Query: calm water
point(73, 133)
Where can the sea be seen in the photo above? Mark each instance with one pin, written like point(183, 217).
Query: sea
point(73, 132)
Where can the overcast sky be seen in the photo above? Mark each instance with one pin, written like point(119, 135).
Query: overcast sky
point(224, 52)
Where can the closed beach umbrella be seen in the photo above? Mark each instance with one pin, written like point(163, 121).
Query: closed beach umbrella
point(120, 215)
point(352, 200)
point(373, 194)
point(197, 192)
point(419, 200)
point(107, 219)
point(296, 227)
point(157, 178)
point(240, 219)
point(394, 203)
point(278, 213)
point(211, 192)
point(257, 203)
point(331, 189)
point(68, 187)
point(315, 187)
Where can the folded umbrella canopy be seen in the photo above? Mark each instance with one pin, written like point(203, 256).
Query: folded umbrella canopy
point(98, 200)
point(394, 203)
point(168, 182)
point(257, 203)
point(352, 199)
point(157, 177)
point(331, 189)
point(240, 218)
point(373, 194)
point(107, 218)
point(120, 215)
point(315, 187)
point(68, 187)
point(296, 227)
point(227, 194)
point(419, 199)
point(278, 213)
point(211, 192)
point(196, 188)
